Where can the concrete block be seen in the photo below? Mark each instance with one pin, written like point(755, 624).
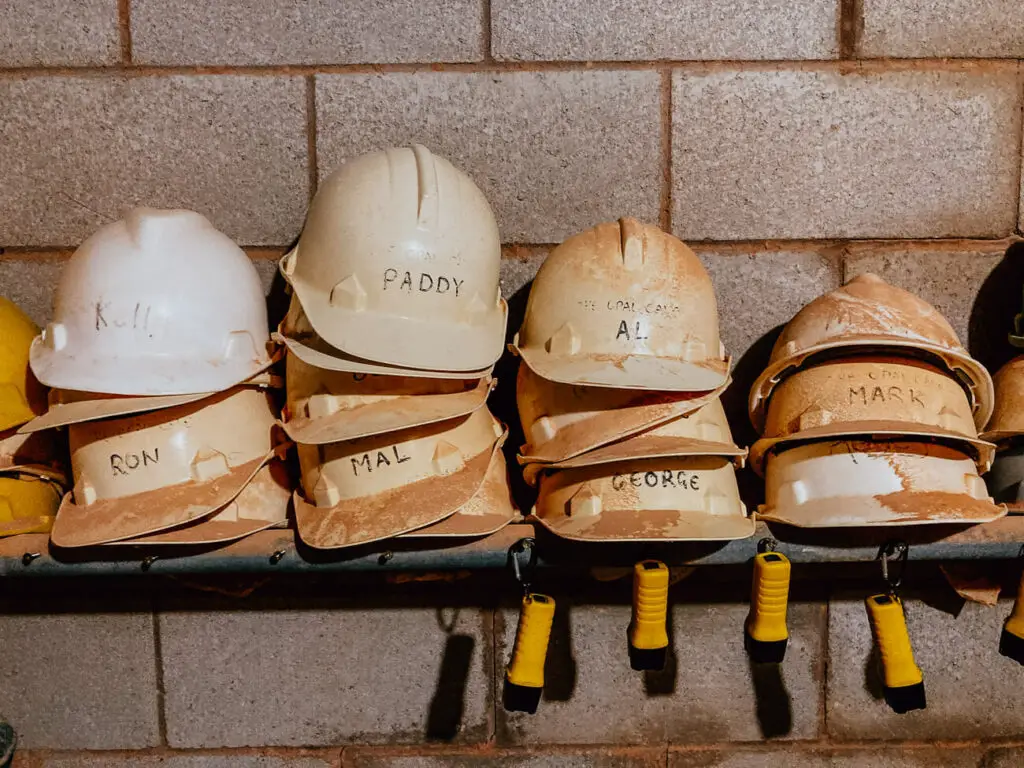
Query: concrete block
point(853, 757)
point(708, 692)
point(919, 28)
point(29, 280)
point(759, 289)
point(78, 152)
point(544, 757)
point(972, 691)
point(318, 677)
point(185, 761)
point(266, 32)
point(48, 33)
point(950, 278)
point(519, 265)
point(815, 154)
point(554, 152)
point(76, 680)
point(613, 30)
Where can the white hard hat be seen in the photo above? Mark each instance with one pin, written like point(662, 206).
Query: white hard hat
point(669, 499)
point(624, 305)
point(299, 338)
point(703, 432)
point(262, 504)
point(364, 490)
point(882, 396)
point(160, 303)
point(561, 421)
point(398, 264)
point(867, 315)
point(146, 473)
point(853, 483)
point(330, 406)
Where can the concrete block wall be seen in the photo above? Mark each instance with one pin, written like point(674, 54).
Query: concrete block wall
point(792, 144)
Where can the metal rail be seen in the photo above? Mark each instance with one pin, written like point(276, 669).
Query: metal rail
point(278, 552)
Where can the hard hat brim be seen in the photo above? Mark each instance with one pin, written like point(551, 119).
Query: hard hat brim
point(641, 525)
point(81, 411)
point(391, 415)
point(129, 517)
point(641, 447)
point(968, 370)
point(983, 450)
point(150, 376)
point(367, 519)
point(490, 509)
point(866, 512)
point(262, 504)
point(405, 342)
point(665, 374)
point(314, 351)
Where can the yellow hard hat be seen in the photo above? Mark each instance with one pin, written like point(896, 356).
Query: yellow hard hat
point(22, 397)
point(872, 395)
point(624, 305)
point(28, 503)
point(869, 315)
point(854, 483)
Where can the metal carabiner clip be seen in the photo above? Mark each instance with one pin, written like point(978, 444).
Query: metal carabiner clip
point(524, 574)
point(894, 551)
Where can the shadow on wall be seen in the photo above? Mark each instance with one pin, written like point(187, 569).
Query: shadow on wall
point(448, 704)
point(997, 302)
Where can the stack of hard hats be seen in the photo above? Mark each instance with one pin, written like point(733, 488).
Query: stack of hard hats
point(618, 392)
point(32, 475)
point(158, 356)
point(396, 320)
point(869, 410)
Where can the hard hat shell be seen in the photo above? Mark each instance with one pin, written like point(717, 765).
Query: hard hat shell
point(704, 432)
point(331, 406)
point(22, 397)
point(668, 499)
point(262, 504)
point(868, 314)
point(855, 483)
point(1006, 479)
point(364, 490)
point(28, 503)
point(148, 472)
point(624, 305)
point(299, 338)
point(1008, 414)
point(869, 395)
point(490, 510)
point(159, 303)
point(37, 454)
point(561, 421)
point(398, 263)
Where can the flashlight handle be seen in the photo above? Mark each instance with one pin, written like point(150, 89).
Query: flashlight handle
point(889, 625)
point(648, 630)
point(769, 598)
point(532, 636)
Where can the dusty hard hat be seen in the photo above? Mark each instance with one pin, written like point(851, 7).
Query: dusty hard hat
point(262, 504)
point(869, 315)
point(871, 395)
point(330, 406)
point(298, 336)
point(373, 488)
point(704, 432)
point(561, 421)
point(37, 454)
point(624, 305)
point(28, 503)
point(145, 473)
point(671, 499)
point(74, 407)
point(851, 483)
point(160, 303)
point(398, 263)
point(21, 395)
point(490, 510)
point(1008, 414)
point(1006, 478)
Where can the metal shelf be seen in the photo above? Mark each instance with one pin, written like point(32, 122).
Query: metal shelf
point(278, 552)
